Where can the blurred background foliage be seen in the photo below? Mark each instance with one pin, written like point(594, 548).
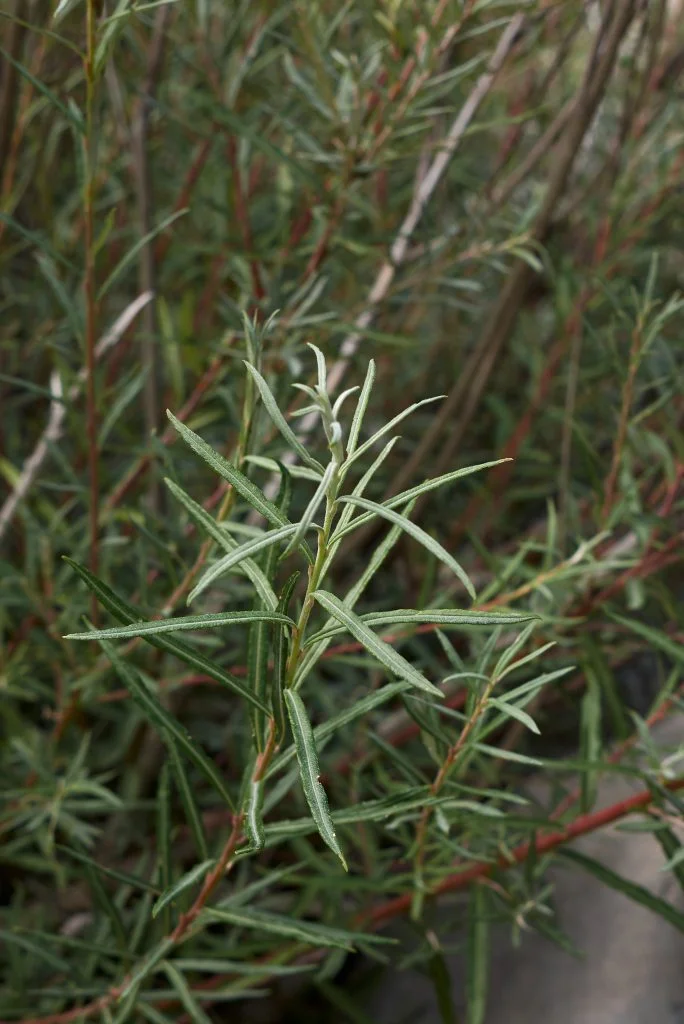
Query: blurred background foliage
point(484, 197)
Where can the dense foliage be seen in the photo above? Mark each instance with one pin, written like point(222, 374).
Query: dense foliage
point(399, 605)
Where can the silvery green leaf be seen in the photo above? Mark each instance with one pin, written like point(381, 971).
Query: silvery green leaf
point(423, 538)
point(252, 494)
point(513, 711)
point(388, 427)
point(339, 402)
point(516, 645)
point(219, 534)
point(361, 407)
point(337, 722)
point(128, 614)
point(320, 364)
point(342, 525)
point(309, 770)
point(313, 651)
point(291, 928)
point(439, 481)
point(537, 653)
point(440, 616)
point(235, 557)
point(156, 627)
point(385, 654)
point(254, 822)
point(279, 420)
point(311, 509)
point(299, 472)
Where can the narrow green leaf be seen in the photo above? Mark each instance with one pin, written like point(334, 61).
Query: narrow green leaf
point(207, 523)
point(536, 653)
point(350, 714)
point(510, 652)
point(215, 966)
point(279, 420)
point(532, 686)
point(55, 962)
point(252, 494)
point(423, 538)
point(478, 954)
point(438, 616)
point(590, 744)
point(281, 652)
point(303, 931)
point(187, 880)
point(104, 901)
point(169, 727)
point(630, 889)
point(309, 770)
point(360, 410)
point(235, 557)
point(313, 651)
point(311, 509)
point(192, 812)
point(140, 244)
point(413, 799)
point(255, 822)
point(349, 510)
point(298, 472)
point(128, 614)
point(50, 96)
point(322, 372)
point(156, 627)
point(164, 835)
point(388, 427)
point(507, 755)
point(513, 711)
point(190, 1004)
point(439, 481)
point(654, 637)
point(385, 654)
point(672, 848)
point(441, 980)
point(117, 875)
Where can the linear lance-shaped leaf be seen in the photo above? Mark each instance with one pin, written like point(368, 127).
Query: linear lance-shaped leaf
point(170, 728)
point(279, 420)
point(309, 771)
point(237, 555)
point(155, 627)
point(385, 654)
point(292, 928)
point(428, 542)
point(248, 490)
point(128, 613)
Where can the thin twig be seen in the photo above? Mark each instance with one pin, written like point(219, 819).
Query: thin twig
point(477, 370)
point(424, 191)
point(146, 266)
point(53, 430)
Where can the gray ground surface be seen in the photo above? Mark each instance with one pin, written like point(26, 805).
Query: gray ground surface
point(632, 971)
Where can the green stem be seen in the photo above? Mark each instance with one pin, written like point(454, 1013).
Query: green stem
point(316, 573)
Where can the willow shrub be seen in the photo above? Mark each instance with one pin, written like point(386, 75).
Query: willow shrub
point(475, 199)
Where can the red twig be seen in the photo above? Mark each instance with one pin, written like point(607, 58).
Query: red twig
point(581, 826)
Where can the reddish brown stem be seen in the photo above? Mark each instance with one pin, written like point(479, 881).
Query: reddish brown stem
point(581, 826)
